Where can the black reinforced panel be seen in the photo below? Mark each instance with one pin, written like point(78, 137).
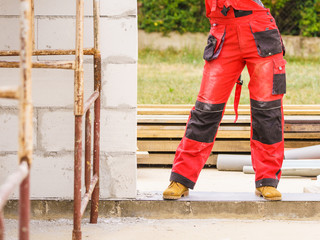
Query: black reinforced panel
point(204, 121)
point(267, 182)
point(241, 13)
point(266, 121)
point(268, 42)
point(279, 84)
point(181, 179)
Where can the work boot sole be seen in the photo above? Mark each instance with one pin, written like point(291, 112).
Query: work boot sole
point(185, 194)
point(259, 194)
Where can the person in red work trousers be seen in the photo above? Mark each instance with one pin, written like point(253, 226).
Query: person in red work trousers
point(242, 33)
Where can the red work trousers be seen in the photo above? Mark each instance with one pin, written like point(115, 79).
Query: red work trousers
point(240, 38)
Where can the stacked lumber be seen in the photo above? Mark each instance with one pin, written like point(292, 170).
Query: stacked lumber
point(161, 127)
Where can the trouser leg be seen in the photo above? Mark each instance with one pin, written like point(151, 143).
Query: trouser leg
point(267, 121)
point(196, 145)
point(219, 77)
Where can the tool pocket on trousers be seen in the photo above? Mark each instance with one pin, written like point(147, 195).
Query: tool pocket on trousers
point(267, 37)
point(215, 42)
point(279, 77)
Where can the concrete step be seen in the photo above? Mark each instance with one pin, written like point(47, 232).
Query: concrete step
point(294, 206)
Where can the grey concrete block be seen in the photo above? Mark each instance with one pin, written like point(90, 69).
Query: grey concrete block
point(118, 130)
point(56, 130)
point(118, 176)
point(8, 7)
point(122, 8)
point(54, 88)
point(68, 8)
point(9, 128)
point(119, 85)
point(60, 7)
point(119, 40)
point(8, 164)
point(59, 33)
point(50, 87)
point(51, 176)
point(9, 37)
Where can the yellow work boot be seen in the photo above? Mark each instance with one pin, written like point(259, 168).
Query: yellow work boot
point(268, 193)
point(175, 191)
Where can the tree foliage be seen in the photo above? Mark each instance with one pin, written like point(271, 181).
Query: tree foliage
point(167, 15)
point(294, 17)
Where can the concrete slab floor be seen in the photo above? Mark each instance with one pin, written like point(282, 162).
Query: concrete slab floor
point(212, 180)
point(146, 229)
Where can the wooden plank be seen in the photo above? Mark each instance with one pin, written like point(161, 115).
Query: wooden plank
point(181, 111)
point(302, 128)
point(182, 127)
point(243, 109)
point(242, 106)
point(183, 119)
point(168, 121)
point(219, 146)
point(178, 132)
point(289, 127)
point(226, 118)
point(166, 159)
point(171, 146)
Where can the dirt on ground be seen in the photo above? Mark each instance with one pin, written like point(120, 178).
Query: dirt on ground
point(171, 229)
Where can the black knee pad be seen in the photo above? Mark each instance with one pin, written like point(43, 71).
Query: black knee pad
point(266, 121)
point(204, 121)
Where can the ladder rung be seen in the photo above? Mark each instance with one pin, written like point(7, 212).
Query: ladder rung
point(43, 52)
point(40, 64)
point(12, 181)
point(87, 196)
point(9, 92)
point(90, 101)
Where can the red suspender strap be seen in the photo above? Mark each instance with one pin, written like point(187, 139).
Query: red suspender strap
point(237, 97)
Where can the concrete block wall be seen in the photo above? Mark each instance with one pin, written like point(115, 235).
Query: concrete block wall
point(52, 170)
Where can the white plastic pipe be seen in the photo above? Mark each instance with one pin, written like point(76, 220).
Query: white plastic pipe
point(305, 168)
point(312, 152)
point(230, 162)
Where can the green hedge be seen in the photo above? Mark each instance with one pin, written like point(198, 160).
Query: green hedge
point(294, 17)
point(177, 15)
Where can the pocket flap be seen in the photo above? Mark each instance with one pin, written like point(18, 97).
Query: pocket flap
point(218, 31)
point(279, 62)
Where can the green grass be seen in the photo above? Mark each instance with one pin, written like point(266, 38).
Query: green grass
point(174, 77)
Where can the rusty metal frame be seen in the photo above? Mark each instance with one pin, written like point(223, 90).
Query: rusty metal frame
point(23, 94)
point(81, 108)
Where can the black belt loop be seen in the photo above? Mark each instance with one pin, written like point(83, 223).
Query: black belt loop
point(225, 10)
point(241, 13)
